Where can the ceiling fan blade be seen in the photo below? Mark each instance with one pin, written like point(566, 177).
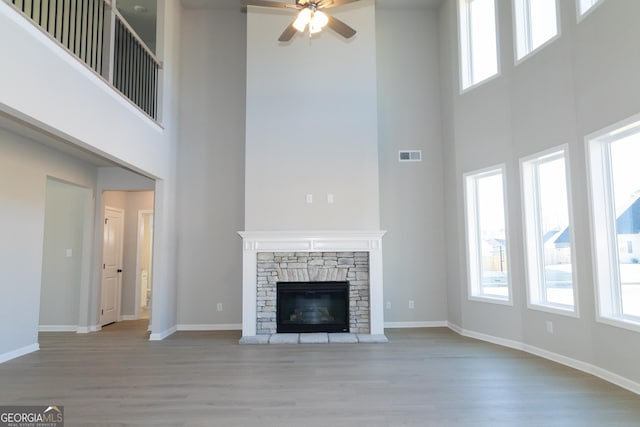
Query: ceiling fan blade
point(340, 27)
point(326, 4)
point(265, 3)
point(288, 33)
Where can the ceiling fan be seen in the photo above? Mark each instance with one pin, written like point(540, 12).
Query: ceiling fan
point(310, 13)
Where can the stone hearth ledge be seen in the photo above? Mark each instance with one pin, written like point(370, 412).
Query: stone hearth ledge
point(315, 338)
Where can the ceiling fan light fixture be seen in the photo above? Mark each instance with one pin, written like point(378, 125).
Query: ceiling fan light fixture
point(308, 14)
point(304, 17)
point(318, 21)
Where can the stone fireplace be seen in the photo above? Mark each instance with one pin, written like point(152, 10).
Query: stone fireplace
point(306, 267)
point(303, 257)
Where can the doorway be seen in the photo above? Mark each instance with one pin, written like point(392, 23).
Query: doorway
point(137, 241)
point(145, 260)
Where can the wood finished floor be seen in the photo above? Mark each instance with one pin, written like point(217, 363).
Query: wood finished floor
point(422, 377)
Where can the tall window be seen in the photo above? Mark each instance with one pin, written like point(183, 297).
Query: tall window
point(548, 240)
point(487, 236)
point(585, 6)
point(615, 198)
point(478, 41)
point(535, 23)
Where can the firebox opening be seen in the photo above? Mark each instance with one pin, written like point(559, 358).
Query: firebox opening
point(312, 307)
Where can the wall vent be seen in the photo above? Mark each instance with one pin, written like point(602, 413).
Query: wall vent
point(410, 155)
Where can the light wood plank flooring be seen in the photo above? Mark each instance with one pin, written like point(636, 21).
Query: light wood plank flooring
point(422, 377)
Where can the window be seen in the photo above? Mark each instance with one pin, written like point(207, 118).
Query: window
point(615, 209)
point(585, 6)
point(535, 22)
point(478, 41)
point(487, 255)
point(548, 240)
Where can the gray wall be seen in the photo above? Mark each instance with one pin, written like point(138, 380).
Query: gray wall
point(411, 194)
point(585, 80)
point(211, 163)
point(311, 125)
point(68, 214)
point(211, 166)
point(24, 168)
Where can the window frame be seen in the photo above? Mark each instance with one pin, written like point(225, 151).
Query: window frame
point(527, 32)
point(465, 48)
point(533, 247)
point(472, 229)
point(604, 248)
point(581, 15)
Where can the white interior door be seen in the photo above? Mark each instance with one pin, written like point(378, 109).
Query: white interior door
point(111, 265)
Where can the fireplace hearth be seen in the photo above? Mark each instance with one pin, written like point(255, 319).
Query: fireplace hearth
point(312, 307)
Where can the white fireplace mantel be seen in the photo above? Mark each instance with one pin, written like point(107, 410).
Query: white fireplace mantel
point(254, 242)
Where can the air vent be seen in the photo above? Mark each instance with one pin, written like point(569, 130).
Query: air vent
point(410, 155)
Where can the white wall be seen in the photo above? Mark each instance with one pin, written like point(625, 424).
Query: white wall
point(411, 194)
point(211, 166)
point(585, 80)
point(24, 168)
point(165, 285)
point(65, 97)
point(311, 125)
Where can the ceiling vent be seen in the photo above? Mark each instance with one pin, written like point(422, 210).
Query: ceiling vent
point(410, 155)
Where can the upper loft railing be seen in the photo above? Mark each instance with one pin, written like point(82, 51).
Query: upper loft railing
point(97, 34)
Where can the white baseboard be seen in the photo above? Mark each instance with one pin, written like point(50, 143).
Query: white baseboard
point(211, 327)
point(162, 335)
point(555, 357)
point(586, 367)
point(455, 328)
point(87, 329)
point(423, 324)
point(57, 328)
point(128, 317)
point(19, 352)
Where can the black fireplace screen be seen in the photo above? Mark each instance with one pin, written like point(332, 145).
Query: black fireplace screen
point(312, 307)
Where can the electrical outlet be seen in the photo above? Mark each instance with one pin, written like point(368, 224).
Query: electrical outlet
point(412, 304)
point(309, 198)
point(330, 198)
point(388, 305)
point(219, 306)
point(549, 327)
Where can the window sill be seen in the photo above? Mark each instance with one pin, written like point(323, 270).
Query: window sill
point(491, 299)
point(555, 309)
point(621, 322)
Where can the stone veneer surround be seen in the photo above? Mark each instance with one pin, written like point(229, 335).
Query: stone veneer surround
point(274, 267)
point(310, 242)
